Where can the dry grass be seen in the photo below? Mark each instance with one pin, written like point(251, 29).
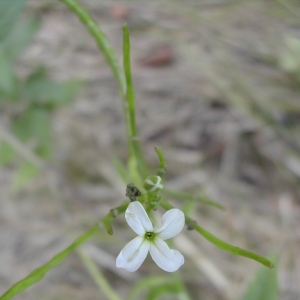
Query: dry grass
point(225, 114)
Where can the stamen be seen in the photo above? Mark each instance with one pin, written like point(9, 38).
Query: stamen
point(149, 235)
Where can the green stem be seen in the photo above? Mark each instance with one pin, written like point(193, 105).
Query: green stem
point(97, 276)
point(219, 243)
point(288, 7)
point(109, 55)
point(130, 97)
point(101, 40)
point(183, 294)
point(124, 82)
point(187, 196)
point(39, 273)
point(147, 283)
point(162, 168)
point(112, 214)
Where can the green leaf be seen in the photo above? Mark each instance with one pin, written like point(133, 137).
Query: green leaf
point(230, 248)
point(162, 168)
point(264, 286)
point(97, 276)
point(161, 290)
point(189, 207)
point(9, 13)
point(32, 123)
point(147, 283)
point(38, 274)
point(39, 73)
point(101, 39)
point(7, 153)
point(133, 173)
point(120, 168)
point(186, 196)
point(48, 93)
point(34, 126)
point(218, 242)
point(19, 38)
point(167, 289)
point(26, 173)
point(7, 77)
point(135, 144)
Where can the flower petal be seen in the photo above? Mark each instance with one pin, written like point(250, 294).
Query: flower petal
point(172, 223)
point(133, 254)
point(168, 259)
point(138, 219)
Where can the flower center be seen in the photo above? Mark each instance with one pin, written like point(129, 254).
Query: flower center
point(149, 236)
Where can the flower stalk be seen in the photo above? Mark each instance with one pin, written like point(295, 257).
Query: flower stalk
point(192, 224)
point(162, 168)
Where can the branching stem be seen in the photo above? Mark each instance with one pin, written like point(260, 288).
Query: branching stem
point(192, 224)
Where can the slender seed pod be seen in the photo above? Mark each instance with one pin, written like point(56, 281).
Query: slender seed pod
point(153, 184)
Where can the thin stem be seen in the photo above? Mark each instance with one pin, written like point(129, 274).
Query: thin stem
point(183, 294)
point(112, 214)
point(162, 168)
point(219, 243)
point(124, 82)
point(187, 196)
point(108, 52)
point(288, 7)
point(130, 98)
point(101, 40)
point(38, 274)
point(97, 276)
point(147, 283)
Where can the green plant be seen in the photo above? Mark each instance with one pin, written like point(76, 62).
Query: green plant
point(136, 171)
point(27, 103)
point(289, 60)
point(264, 285)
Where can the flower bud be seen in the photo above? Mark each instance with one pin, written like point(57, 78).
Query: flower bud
point(153, 184)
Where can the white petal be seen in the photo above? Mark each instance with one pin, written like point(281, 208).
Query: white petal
point(138, 219)
point(168, 259)
point(133, 254)
point(172, 223)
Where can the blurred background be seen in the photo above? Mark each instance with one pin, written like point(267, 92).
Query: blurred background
point(217, 88)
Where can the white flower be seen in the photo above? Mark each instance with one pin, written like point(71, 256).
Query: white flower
point(151, 239)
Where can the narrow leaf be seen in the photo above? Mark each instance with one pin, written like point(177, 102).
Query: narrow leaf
point(120, 168)
point(7, 77)
point(38, 274)
point(186, 196)
point(19, 37)
point(26, 172)
point(7, 153)
point(101, 40)
point(145, 284)
point(48, 93)
point(230, 248)
point(97, 276)
point(130, 98)
point(264, 286)
point(218, 242)
point(34, 126)
point(162, 168)
point(9, 13)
